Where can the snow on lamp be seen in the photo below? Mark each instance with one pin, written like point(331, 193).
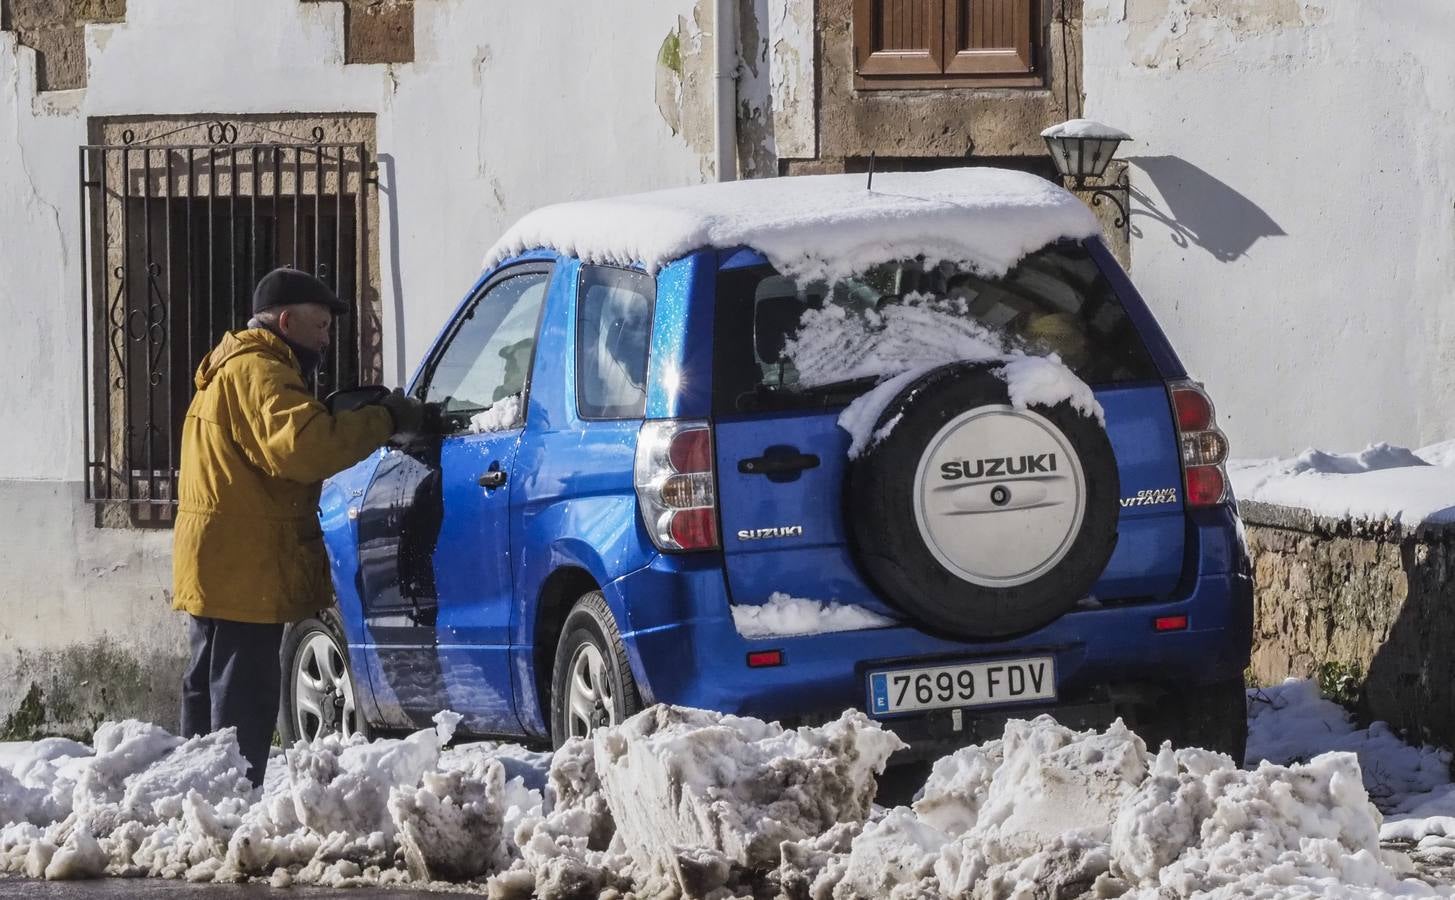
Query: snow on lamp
point(1081, 148)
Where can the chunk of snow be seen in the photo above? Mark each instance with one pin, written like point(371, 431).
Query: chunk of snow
point(783, 615)
point(820, 226)
point(1044, 381)
point(1085, 128)
point(502, 415)
point(677, 778)
point(1382, 481)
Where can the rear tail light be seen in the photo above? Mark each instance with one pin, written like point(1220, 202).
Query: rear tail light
point(1170, 623)
point(675, 483)
point(1204, 446)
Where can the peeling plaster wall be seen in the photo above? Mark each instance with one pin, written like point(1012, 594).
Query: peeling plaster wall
point(938, 123)
point(481, 127)
point(1295, 163)
point(777, 119)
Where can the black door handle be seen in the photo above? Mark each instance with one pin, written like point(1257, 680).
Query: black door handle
point(779, 463)
point(493, 478)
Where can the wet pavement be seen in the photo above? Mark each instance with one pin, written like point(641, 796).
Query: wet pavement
point(106, 888)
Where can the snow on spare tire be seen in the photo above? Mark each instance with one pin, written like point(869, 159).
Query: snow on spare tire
point(980, 518)
point(981, 495)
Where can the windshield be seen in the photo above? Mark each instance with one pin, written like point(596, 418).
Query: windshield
point(784, 344)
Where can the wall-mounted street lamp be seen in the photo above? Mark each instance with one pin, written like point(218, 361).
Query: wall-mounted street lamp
point(1081, 150)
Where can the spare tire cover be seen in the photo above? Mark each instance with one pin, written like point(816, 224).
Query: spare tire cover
point(978, 519)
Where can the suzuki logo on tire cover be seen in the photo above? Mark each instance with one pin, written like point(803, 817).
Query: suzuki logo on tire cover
point(1000, 496)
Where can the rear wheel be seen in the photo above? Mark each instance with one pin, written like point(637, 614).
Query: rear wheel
point(592, 684)
point(1213, 717)
point(318, 688)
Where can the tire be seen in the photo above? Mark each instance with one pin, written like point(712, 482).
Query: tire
point(319, 697)
point(982, 543)
point(606, 691)
point(1213, 717)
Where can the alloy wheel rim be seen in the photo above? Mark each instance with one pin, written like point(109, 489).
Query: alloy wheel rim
point(323, 694)
point(590, 701)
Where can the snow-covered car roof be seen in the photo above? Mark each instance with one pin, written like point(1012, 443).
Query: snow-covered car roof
point(818, 226)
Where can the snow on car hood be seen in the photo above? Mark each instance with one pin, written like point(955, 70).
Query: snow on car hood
point(676, 801)
point(819, 226)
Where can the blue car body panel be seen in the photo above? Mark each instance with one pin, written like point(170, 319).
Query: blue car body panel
point(569, 507)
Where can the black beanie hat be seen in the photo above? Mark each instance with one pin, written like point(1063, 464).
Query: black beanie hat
point(287, 287)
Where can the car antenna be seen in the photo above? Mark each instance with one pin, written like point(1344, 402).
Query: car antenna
point(870, 185)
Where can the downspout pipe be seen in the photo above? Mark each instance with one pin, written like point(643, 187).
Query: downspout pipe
point(725, 39)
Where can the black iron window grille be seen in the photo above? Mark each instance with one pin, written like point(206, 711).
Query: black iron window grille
point(176, 236)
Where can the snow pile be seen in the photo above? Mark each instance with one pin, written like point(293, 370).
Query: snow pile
point(502, 415)
point(1411, 785)
point(1381, 481)
point(146, 803)
point(905, 341)
point(818, 227)
point(1051, 812)
point(698, 796)
point(785, 615)
point(570, 851)
point(692, 803)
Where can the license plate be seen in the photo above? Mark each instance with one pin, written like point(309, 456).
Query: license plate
point(964, 684)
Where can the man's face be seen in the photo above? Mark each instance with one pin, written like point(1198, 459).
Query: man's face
point(306, 325)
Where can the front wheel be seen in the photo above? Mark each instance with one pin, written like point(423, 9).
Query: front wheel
point(318, 689)
point(592, 684)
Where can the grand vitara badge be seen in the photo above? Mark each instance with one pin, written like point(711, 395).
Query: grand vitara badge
point(1153, 497)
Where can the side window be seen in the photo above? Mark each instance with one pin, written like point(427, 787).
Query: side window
point(481, 376)
point(613, 333)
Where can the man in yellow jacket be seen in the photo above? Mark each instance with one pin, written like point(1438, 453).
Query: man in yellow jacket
point(248, 552)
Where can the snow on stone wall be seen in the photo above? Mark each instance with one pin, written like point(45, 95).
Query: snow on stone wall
point(1293, 167)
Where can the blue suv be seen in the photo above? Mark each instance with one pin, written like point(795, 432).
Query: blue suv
point(649, 484)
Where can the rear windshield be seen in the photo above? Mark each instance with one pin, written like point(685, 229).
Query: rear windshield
point(782, 344)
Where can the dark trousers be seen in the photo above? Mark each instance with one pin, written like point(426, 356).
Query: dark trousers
point(232, 680)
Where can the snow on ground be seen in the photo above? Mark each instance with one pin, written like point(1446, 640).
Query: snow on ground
point(820, 226)
point(1410, 785)
point(785, 615)
point(1382, 481)
point(687, 802)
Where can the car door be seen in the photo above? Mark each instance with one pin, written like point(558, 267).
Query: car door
point(434, 536)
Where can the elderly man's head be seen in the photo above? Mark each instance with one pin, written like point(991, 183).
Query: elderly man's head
point(298, 306)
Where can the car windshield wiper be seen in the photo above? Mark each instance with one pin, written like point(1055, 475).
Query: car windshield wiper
point(838, 387)
point(789, 395)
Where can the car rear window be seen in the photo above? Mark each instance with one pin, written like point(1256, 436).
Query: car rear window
point(782, 344)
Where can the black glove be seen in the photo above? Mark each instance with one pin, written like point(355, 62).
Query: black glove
point(407, 412)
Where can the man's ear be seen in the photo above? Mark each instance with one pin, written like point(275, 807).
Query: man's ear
point(285, 319)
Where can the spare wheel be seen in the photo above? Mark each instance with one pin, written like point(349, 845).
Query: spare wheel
point(978, 519)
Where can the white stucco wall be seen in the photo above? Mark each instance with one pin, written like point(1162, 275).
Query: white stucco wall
point(498, 114)
point(506, 107)
point(1296, 161)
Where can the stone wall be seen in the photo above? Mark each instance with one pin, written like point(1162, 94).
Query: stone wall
point(1371, 603)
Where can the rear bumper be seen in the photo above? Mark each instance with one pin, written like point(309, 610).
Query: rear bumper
point(1105, 658)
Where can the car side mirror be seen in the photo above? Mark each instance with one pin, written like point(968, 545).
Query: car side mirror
point(354, 398)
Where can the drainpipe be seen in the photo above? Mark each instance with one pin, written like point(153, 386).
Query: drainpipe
point(726, 39)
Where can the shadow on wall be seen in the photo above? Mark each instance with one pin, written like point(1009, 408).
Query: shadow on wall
point(1201, 210)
